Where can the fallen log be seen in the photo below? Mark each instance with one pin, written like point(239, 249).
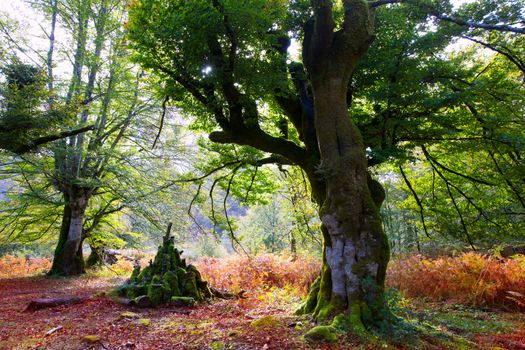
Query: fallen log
point(228, 295)
point(124, 301)
point(181, 312)
point(509, 251)
point(142, 301)
point(44, 303)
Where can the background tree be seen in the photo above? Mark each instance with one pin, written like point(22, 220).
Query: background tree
point(267, 228)
point(92, 188)
point(80, 162)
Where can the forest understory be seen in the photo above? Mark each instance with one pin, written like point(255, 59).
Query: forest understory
point(319, 174)
point(265, 319)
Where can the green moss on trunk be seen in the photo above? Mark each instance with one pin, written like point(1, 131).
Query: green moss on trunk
point(362, 310)
point(322, 334)
point(68, 259)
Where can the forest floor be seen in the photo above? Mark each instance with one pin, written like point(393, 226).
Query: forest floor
point(253, 323)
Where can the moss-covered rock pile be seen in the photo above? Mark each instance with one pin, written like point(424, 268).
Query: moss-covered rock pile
point(167, 279)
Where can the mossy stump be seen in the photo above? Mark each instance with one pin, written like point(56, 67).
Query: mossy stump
point(167, 279)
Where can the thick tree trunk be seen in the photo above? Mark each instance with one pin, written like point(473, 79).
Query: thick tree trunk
point(68, 259)
point(356, 251)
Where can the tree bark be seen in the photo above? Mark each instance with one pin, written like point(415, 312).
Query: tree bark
point(95, 257)
point(68, 259)
point(49, 62)
point(356, 250)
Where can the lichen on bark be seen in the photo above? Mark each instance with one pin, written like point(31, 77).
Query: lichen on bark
point(348, 295)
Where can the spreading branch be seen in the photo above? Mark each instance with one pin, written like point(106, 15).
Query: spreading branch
point(225, 208)
point(262, 141)
point(33, 144)
point(506, 52)
point(452, 19)
point(459, 190)
point(416, 197)
point(467, 177)
point(230, 33)
point(469, 24)
point(194, 199)
point(163, 115)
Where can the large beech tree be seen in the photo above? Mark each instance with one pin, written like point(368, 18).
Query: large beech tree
point(85, 171)
point(226, 62)
point(79, 184)
point(81, 161)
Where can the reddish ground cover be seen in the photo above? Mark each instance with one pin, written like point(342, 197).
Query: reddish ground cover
point(19, 266)
point(222, 324)
point(513, 341)
point(273, 287)
point(469, 279)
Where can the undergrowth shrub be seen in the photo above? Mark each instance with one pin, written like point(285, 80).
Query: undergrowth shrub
point(122, 267)
point(260, 273)
point(470, 278)
point(19, 266)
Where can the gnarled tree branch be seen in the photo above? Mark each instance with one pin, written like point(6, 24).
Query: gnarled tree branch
point(33, 144)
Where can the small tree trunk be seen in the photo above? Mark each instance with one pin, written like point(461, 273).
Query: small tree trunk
point(416, 237)
point(293, 244)
point(94, 258)
point(68, 259)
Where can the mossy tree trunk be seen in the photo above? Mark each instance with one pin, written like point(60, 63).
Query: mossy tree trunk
point(356, 250)
point(332, 153)
point(68, 259)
